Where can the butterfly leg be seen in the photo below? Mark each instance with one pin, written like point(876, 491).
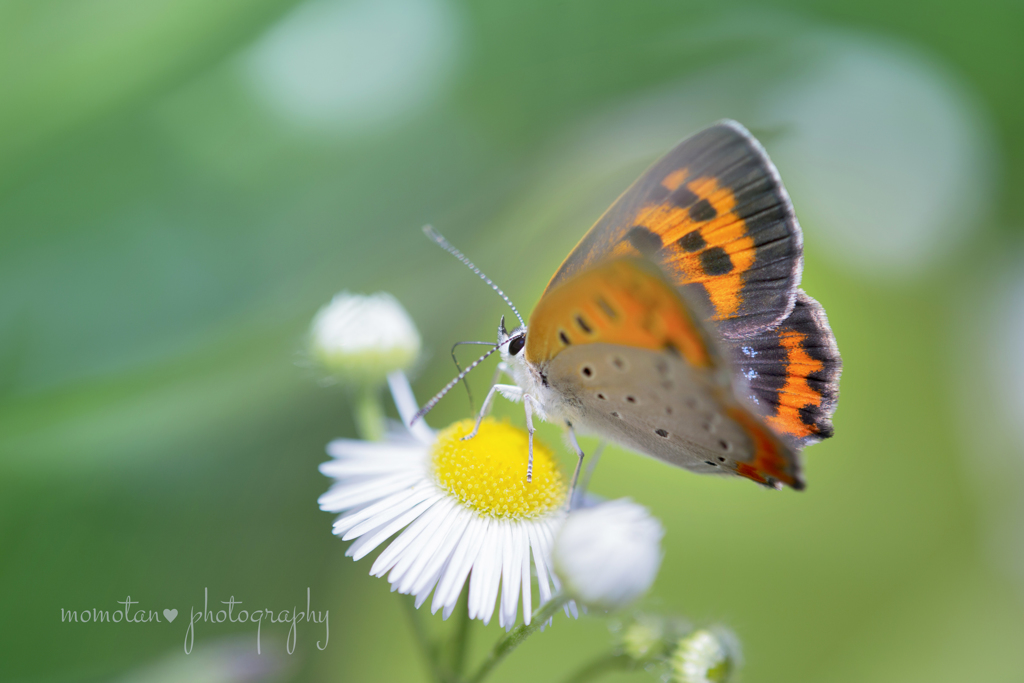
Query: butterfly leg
point(579, 463)
point(528, 402)
point(509, 391)
point(584, 483)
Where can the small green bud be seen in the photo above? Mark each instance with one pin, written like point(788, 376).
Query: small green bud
point(644, 637)
point(705, 657)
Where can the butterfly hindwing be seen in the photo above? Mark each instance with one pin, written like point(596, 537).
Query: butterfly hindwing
point(714, 213)
point(793, 372)
point(657, 404)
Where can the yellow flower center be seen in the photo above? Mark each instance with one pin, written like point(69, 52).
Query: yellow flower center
point(488, 472)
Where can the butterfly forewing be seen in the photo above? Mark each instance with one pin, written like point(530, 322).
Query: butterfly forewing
point(713, 212)
point(624, 301)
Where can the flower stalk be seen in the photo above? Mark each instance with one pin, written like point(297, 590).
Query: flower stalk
point(368, 413)
point(604, 664)
point(514, 638)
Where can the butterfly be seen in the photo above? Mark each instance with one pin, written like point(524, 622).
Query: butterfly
point(676, 327)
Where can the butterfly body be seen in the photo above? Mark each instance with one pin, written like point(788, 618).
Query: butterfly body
point(676, 327)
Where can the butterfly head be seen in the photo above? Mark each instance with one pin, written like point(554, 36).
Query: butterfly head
point(512, 344)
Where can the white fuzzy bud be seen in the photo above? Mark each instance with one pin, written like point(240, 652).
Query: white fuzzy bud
point(361, 339)
point(608, 555)
point(705, 657)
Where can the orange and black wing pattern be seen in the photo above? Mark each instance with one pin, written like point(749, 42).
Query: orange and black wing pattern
point(714, 214)
point(792, 373)
point(624, 301)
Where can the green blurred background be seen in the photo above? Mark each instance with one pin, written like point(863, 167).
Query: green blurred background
point(184, 183)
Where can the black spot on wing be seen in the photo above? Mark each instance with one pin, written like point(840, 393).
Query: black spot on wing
point(607, 308)
point(692, 241)
point(729, 155)
point(715, 261)
point(702, 211)
point(643, 240)
point(683, 197)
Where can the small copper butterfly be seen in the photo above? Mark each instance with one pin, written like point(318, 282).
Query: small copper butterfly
point(676, 327)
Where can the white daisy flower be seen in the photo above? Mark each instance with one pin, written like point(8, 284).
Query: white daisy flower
point(465, 507)
point(609, 554)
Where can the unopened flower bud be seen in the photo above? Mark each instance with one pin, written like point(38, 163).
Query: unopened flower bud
point(705, 657)
point(649, 636)
point(360, 339)
point(608, 555)
point(643, 638)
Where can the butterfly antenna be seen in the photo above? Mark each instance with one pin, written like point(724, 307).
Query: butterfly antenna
point(458, 368)
point(447, 246)
point(429, 405)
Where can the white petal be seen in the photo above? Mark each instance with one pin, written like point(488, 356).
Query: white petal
point(400, 546)
point(424, 592)
point(480, 577)
point(357, 448)
point(539, 559)
point(341, 497)
point(344, 469)
point(422, 567)
point(494, 572)
point(361, 542)
point(411, 499)
point(454, 577)
point(511, 575)
point(407, 498)
point(422, 544)
point(444, 553)
point(372, 540)
point(548, 539)
point(404, 545)
point(405, 401)
point(525, 571)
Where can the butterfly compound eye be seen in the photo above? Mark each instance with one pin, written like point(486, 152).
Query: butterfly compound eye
point(516, 345)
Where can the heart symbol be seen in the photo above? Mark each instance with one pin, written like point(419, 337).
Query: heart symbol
point(170, 614)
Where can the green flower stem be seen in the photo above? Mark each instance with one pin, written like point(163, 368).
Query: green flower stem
point(461, 640)
point(427, 648)
point(606, 663)
point(511, 640)
point(369, 413)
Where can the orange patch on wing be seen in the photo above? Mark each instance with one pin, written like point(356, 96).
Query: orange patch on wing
point(769, 463)
point(617, 302)
point(726, 231)
point(797, 392)
point(674, 179)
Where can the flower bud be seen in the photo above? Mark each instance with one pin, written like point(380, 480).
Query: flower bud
point(361, 339)
point(643, 638)
point(608, 555)
point(649, 636)
point(705, 657)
